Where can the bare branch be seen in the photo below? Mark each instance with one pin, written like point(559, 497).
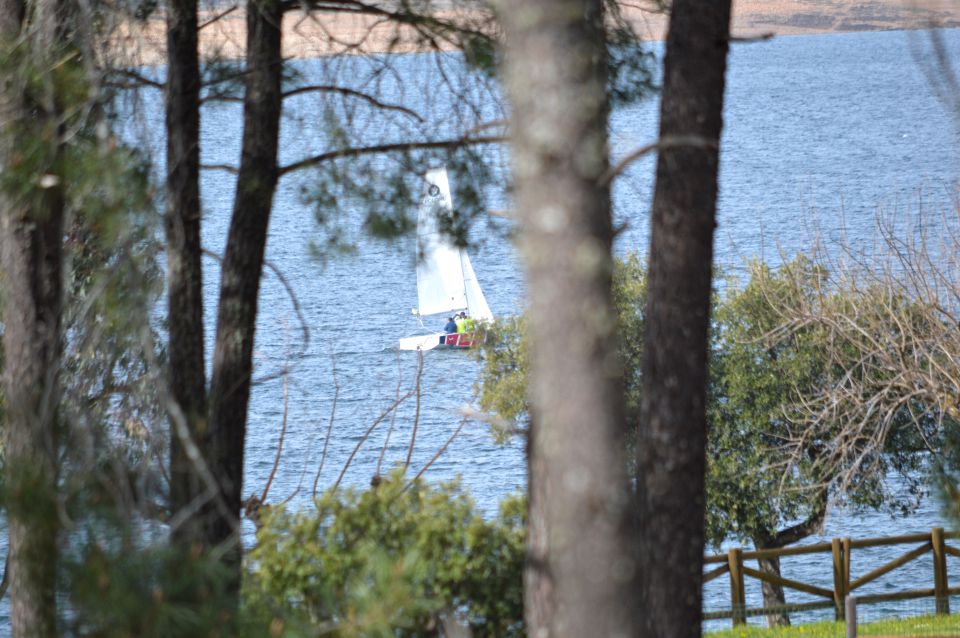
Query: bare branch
point(439, 453)
point(363, 439)
point(670, 141)
point(393, 419)
point(416, 418)
point(380, 149)
point(138, 80)
point(229, 168)
point(333, 412)
point(217, 17)
point(297, 309)
point(283, 434)
point(326, 88)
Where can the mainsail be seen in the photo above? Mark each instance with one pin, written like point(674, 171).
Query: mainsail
point(446, 280)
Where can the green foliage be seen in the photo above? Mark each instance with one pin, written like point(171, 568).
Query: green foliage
point(757, 372)
point(503, 377)
point(757, 481)
point(503, 381)
point(121, 591)
point(631, 63)
point(394, 560)
point(384, 191)
point(110, 408)
point(630, 300)
point(223, 79)
point(66, 156)
point(480, 52)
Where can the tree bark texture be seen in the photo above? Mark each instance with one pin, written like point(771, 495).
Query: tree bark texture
point(242, 268)
point(672, 430)
point(774, 594)
point(33, 292)
point(538, 585)
point(581, 573)
point(31, 255)
point(184, 271)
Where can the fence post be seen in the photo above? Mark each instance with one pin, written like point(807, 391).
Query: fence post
point(737, 592)
point(940, 583)
point(851, 616)
point(847, 560)
point(841, 575)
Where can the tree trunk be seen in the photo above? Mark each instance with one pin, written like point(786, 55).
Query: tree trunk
point(773, 594)
point(184, 271)
point(31, 250)
point(556, 80)
point(241, 270)
point(672, 430)
point(538, 585)
point(32, 261)
point(31, 254)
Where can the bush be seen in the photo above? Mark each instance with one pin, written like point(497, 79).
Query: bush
point(399, 559)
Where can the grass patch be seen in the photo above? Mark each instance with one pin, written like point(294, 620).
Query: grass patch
point(917, 626)
point(828, 629)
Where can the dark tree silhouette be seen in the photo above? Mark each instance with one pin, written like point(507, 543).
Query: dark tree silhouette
point(672, 431)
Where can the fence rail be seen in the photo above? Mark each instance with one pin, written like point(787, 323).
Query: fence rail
point(841, 551)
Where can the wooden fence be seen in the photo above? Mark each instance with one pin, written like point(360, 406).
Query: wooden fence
point(841, 549)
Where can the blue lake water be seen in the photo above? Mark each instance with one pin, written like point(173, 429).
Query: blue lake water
point(821, 133)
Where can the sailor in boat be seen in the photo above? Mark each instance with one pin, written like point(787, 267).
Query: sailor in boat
point(468, 324)
point(450, 328)
point(446, 281)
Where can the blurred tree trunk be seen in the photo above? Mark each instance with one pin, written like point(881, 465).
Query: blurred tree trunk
point(672, 430)
point(241, 270)
point(184, 271)
point(31, 253)
point(538, 587)
point(579, 580)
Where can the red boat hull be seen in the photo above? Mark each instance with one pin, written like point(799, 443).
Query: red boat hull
point(458, 340)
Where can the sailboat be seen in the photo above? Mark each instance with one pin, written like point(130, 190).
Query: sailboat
point(446, 281)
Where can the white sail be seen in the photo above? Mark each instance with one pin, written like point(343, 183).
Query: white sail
point(440, 280)
point(446, 281)
point(476, 303)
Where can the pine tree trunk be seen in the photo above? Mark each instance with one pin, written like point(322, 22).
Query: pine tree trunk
point(184, 273)
point(556, 81)
point(32, 259)
point(672, 431)
point(538, 585)
point(31, 254)
point(241, 270)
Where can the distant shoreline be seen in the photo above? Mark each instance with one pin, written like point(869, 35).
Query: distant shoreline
point(306, 36)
